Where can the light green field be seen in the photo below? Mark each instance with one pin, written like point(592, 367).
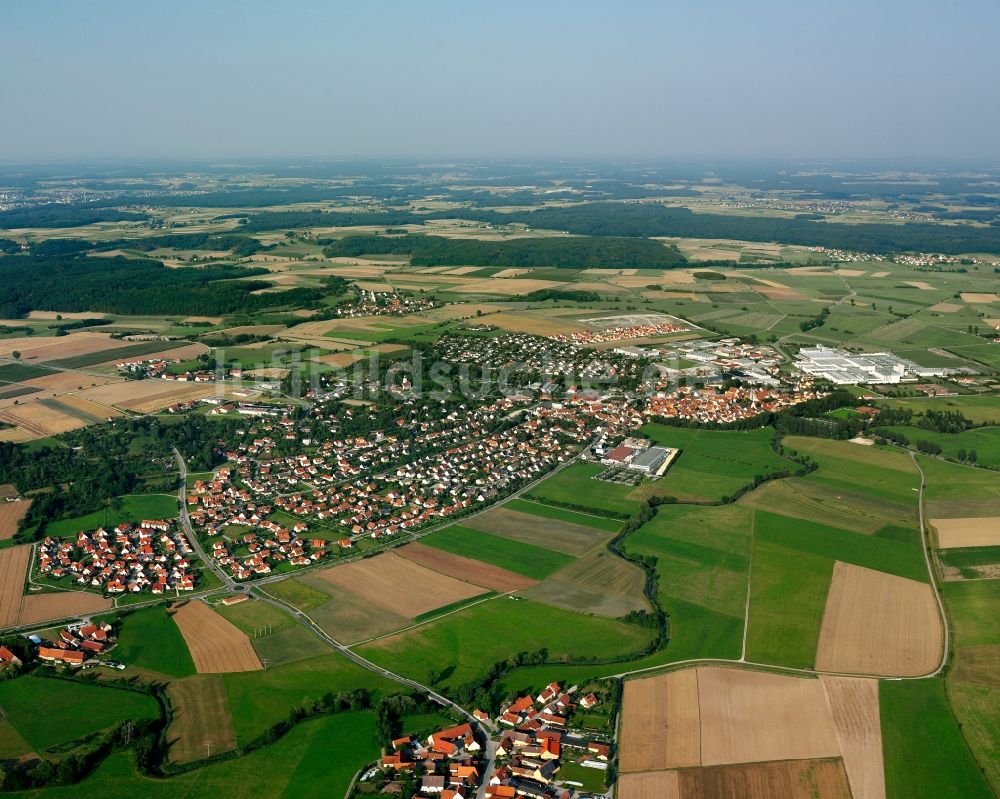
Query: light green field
point(48, 712)
point(527, 559)
point(564, 515)
point(985, 441)
point(713, 463)
point(260, 699)
point(574, 486)
point(925, 755)
point(317, 758)
point(461, 647)
point(149, 639)
point(133, 508)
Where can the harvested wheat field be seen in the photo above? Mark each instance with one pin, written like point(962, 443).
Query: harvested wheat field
point(70, 381)
point(566, 537)
point(661, 723)
point(749, 716)
point(649, 785)
point(967, 532)
point(341, 359)
point(217, 646)
point(856, 719)
point(974, 297)
point(37, 608)
point(534, 323)
point(399, 584)
point(40, 419)
point(145, 396)
point(787, 779)
point(465, 569)
point(201, 720)
point(181, 353)
point(13, 567)
point(509, 285)
point(10, 514)
point(47, 349)
point(86, 409)
point(598, 583)
point(878, 623)
point(947, 307)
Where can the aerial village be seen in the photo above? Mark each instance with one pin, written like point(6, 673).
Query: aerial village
point(538, 751)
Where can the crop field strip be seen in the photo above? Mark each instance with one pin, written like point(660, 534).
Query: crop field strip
point(201, 722)
point(216, 645)
point(10, 514)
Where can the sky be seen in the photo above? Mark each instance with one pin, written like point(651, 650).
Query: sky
point(841, 79)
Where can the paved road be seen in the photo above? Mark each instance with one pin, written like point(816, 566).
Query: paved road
point(209, 562)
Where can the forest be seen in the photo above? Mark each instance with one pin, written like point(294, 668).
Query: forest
point(134, 286)
point(569, 252)
point(59, 215)
point(653, 219)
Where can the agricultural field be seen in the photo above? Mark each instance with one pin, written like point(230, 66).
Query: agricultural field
point(463, 645)
point(600, 583)
point(201, 722)
point(72, 710)
point(216, 646)
point(712, 717)
point(11, 514)
point(127, 508)
point(532, 561)
point(150, 640)
point(575, 488)
point(530, 523)
point(467, 569)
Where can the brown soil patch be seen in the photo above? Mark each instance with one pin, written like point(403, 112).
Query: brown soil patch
point(87, 409)
point(465, 569)
point(399, 584)
point(598, 583)
point(201, 723)
point(184, 352)
point(389, 349)
point(919, 284)
point(974, 297)
point(651, 785)
point(947, 307)
point(750, 716)
point(788, 779)
point(41, 420)
point(37, 608)
point(509, 285)
point(47, 349)
point(511, 272)
point(10, 514)
point(856, 719)
point(661, 723)
point(534, 323)
point(566, 537)
point(66, 315)
point(216, 645)
point(878, 623)
point(70, 381)
point(145, 396)
point(978, 664)
point(341, 359)
point(967, 532)
point(850, 272)
point(13, 567)
point(253, 330)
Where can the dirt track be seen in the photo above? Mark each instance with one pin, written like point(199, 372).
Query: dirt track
point(216, 645)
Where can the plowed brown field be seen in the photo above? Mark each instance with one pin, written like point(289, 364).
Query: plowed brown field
point(217, 646)
point(398, 584)
point(465, 569)
point(36, 608)
point(661, 723)
point(13, 567)
point(856, 719)
point(878, 623)
point(10, 514)
point(201, 722)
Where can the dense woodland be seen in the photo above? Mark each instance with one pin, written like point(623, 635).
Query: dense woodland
point(59, 215)
point(570, 252)
point(135, 286)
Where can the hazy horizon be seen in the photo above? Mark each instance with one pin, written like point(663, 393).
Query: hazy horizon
point(777, 80)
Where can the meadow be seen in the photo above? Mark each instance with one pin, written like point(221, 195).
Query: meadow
point(71, 710)
point(128, 508)
point(461, 647)
point(531, 561)
point(574, 486)
point(149, 639)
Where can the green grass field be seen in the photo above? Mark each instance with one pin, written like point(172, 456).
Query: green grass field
point(49, 712)
point(252, 616)
point(527, 559)
point(317, 758)
point(985, 441)
point(925, 754)
point(260, 699)
point(295, 592)
point(979, 409)
point(149, 639)
point(713, 463)
point(462, 646)
point(564, 515)
point(574, 486)
point(787, 597)
point(133, 508)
